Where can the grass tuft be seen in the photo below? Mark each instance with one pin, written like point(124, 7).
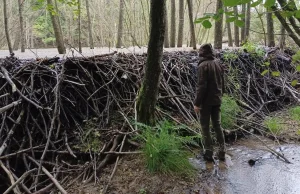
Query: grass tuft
point(295, 113)
point(274, 125)
point(164, 149)
point(229, 112)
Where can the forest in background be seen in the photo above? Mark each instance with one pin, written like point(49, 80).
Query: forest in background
point(125, 23)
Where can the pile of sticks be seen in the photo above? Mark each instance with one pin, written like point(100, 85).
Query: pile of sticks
point(46, 105)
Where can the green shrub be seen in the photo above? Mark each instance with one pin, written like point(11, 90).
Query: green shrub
point(164, 149)
point(273, 124)
point(229, 112)
point(295, 113)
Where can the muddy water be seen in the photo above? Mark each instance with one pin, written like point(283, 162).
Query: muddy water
point(269, 174)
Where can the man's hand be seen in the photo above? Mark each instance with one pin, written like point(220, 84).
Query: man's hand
point(197, 109)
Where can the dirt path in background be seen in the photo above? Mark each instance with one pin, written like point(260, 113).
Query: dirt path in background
point(52, 52)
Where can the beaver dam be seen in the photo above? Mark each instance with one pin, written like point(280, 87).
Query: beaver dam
point(64, 120)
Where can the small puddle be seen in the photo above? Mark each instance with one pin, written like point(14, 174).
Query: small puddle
point(269, 174)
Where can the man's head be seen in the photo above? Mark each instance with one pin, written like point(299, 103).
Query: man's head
point(206, 50)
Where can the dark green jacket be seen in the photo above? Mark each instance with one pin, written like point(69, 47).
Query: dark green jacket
point(210, 86)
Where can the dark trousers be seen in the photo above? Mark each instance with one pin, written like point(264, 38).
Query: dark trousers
point(213, 113)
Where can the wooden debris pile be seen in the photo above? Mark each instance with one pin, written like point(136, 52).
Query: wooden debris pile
point(46, 106)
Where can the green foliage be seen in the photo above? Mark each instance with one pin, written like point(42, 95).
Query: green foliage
point(230, 56)
point(270, 3)
point(231, 3)
point(256, 3)
point(142, 191)
point(43, 29)
point(254, 49)
point(229, 112)
point(296, 57)
point(294, 83)
point(206, 24)
point(164, 148)
point(295, 113)
point(273, 124)
point(89, 139)
point(265, 72)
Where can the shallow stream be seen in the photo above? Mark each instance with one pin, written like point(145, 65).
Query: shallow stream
point(269, 174)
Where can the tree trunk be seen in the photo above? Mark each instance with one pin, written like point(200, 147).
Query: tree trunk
point(286, 26)
point(6, 27)
point(22, 34)
point(120, 27)
point(17, 41)
point(192, 26)
point(248, 19)
point(173, 23)
point(282, 38)
point(149, 90)
point(57, 29)
point(218, 26)
point(270, 30)
point(230, 42)
point(181, 23)
point(79, 26)
point(243, 29)
point(236, 29)
point(91, 40)
point(291, 19)
point(166, 41)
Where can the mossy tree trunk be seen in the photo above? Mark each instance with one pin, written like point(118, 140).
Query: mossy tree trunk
point(230, 41)
point(218, 26)
point(166, 41)
point(270, 30)
point(243, 29)
point(282, 38)
point(6, 28)
point(181, 23)
point(149, 90)
point(120, 27)
point(22, 34)
point(192, 26)
point(79, 26)
point(248, 19)
point(91, 40)
point(57, 28)
point(236, 29)
point(173, 24)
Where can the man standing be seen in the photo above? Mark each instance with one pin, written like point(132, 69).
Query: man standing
point(210, 88)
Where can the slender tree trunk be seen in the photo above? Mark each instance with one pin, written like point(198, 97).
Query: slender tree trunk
point(91, 40)
point(57, 29)
point(230, 41)
point(243, 29)
point(17, 41)
point(173, 24)
point(236, 29)
point(79, 26)
point(219, 26)
point(120, 27)
point(166, 41)
point(248, 19)
point(289, 8)
point(6, 27)
point(181, 23)
point(286, 26)
point(22, 34)
point(192, 26)
point(149, 90)
point(270, 30)
point(282, 38)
